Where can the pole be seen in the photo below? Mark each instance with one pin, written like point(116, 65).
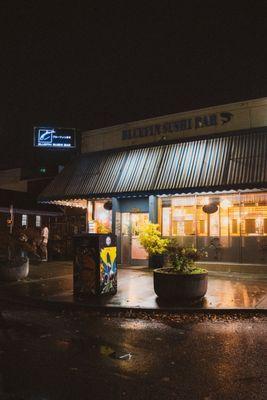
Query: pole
point(87, 217)
point(11, 210)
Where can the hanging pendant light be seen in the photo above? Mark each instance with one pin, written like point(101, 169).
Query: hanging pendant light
point(108, 205)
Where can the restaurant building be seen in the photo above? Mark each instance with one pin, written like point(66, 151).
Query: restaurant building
point(202, 175)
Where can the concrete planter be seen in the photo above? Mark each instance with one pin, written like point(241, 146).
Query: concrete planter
point(14, 272)
point(171, 286)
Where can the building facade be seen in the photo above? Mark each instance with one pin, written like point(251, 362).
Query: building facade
point(201, 175)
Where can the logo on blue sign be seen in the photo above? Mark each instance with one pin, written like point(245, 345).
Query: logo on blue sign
point(45, 136)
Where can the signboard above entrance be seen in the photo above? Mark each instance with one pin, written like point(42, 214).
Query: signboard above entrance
point(228, 118)
point(54, 138)
point(179, 125)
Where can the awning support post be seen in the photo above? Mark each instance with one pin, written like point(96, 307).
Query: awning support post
point(153, 209)
point(115, 209)
point(87, 217)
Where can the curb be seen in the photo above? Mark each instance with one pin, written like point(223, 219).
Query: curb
point(80, 306)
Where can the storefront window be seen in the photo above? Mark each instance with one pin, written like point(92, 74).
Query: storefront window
point(102, 216)
point(202, 221)
point(215, 224)
point(179, 219)
point(222, 224)
point(166, 221)
point(24, 220)
point(99, 216)
point(254, 215)
point(38, 221)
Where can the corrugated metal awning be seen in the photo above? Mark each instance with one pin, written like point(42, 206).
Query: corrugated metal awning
point(222, 163)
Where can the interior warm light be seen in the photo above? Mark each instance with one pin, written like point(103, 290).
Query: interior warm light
point(178, 213)
point(79, 203)
point(224, 220)
point(225, 203)
point(90, 210)
point(259, 222)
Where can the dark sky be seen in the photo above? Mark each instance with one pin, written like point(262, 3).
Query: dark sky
point(93, 64)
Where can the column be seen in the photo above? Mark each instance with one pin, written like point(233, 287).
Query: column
point(115, 209)
point(116, 225)
point(153, 209)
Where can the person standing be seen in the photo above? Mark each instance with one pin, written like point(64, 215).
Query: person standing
point(44, 242)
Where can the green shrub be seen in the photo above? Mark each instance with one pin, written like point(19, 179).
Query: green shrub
point(150, 238)
point(182, 259)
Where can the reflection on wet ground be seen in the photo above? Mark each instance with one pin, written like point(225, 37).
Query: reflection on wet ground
point(75, 355)
point(53, 282)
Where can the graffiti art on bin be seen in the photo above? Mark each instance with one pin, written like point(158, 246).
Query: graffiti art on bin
point(108, 270)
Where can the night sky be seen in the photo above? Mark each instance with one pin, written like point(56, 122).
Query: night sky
point(95, 64)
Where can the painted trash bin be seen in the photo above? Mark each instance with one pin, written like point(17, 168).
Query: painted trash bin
point(95, 264)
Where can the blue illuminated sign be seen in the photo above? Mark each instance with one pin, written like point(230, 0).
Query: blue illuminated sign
point(56, 138)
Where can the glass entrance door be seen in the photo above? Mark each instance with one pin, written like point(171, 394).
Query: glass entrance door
point(132, 251)
point(138, 253)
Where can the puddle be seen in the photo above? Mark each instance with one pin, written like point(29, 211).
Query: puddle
point(102, 349)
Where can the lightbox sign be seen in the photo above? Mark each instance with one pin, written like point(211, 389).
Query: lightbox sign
point(56, 138)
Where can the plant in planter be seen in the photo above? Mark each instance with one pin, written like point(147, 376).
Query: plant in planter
point(29, 241)
point(14, 261)
point(150, 238)
point(181, 278)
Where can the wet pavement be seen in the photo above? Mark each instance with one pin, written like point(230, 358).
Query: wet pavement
point(53, 282)
point(47, 355)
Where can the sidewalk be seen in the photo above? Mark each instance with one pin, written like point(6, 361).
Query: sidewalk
point(52, 282)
